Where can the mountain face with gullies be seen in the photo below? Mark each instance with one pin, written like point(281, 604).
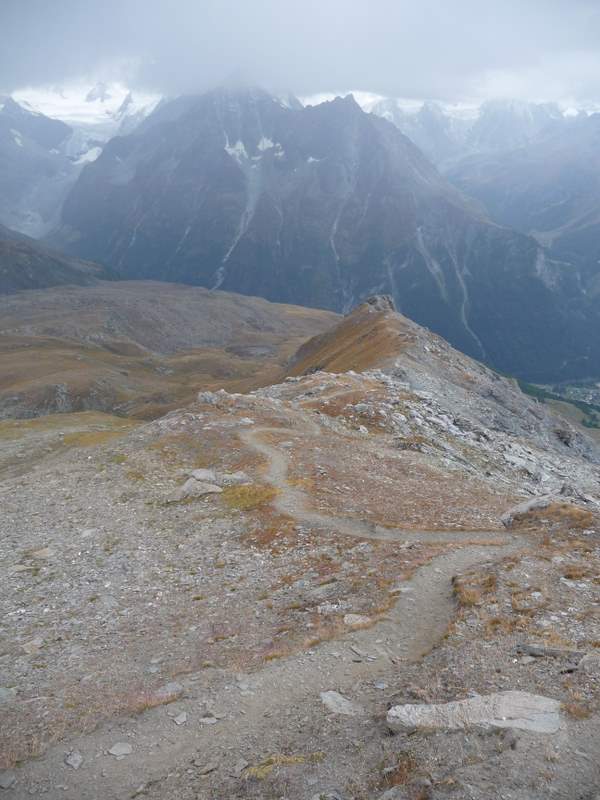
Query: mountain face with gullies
point(323, 206)
point(549, 188)
point(35, 173)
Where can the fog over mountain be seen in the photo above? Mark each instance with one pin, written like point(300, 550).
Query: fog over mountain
point(542, 49)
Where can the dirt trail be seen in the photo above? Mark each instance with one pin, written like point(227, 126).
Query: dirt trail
point(294, 502)
point(414, 626)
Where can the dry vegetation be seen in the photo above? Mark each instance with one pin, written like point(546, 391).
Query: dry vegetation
point(111, 348)
point(362, 341)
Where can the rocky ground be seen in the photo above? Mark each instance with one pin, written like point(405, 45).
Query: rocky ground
point(226, 601)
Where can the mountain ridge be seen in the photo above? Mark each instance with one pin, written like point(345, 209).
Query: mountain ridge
point(29, 264)
point(323, 206)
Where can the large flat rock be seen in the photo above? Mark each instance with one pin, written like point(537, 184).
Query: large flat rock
point(512, 709)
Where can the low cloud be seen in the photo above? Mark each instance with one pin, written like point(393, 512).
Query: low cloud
point(540, 49)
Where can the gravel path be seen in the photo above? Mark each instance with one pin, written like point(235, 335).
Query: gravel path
point(224, 711)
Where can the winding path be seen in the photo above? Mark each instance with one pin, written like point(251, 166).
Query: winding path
point(414, 626)
point(293, 502)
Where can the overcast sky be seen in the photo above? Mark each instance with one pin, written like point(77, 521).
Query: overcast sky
point(446, 49)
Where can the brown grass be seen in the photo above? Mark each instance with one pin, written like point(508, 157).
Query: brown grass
point(576, 571)
point(471, 588)
point(503, 624)
point(272, 532)
point(89, 438)
point(561, 516)
point(400, 773)
point(248, 497)
point(577, 710)
point(359, 342)
point(265, 768)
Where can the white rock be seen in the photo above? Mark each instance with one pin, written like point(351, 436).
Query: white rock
point(511, 709)
point(180, 719)
point(231, 478)
point(120, 749)
point(206, 475)
point(238, 768)
point(7, 779)
point(401, 589)
point(339, 704)
point(356, 620)
point(590, 664)
point(32, 647)
point(194, 488)
point(535, 504)
point(74, 759)
point(208, 397)
point(6, 695)
point(168, 692)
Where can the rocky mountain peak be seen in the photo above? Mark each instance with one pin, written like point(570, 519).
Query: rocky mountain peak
point(380, 302)
point(322, 206)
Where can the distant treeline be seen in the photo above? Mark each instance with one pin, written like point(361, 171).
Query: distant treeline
point(590, 411)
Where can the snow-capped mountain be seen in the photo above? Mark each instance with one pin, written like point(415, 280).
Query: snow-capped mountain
point(439, 132)
point(447, 133)
point(103, 110)
point(324, 205)
point(47, 137)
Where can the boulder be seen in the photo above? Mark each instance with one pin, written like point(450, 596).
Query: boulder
point(232, 478)
point(194, 488)
point(380, 302)
point(121, 749)
point(590, 664)
point(7, 779)
point(212, 477)
point(511, 709)
point(535, 504)
point(339, 704)
point(204, 475)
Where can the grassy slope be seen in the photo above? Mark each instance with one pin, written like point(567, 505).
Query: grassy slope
point(141, 349)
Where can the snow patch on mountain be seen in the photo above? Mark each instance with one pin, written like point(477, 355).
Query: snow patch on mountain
point(101, 107)
point(89, 156)
point(265, 144)
point(17, 137)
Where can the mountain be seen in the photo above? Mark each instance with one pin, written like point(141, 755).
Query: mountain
point(41, 156)
point(448, 134)
point(440, 135)
point(508, 124)
point(550, 188)
point(27, 264)
point(322, 206)
point(96, 111)
point(530, 166)
point(35, 172)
